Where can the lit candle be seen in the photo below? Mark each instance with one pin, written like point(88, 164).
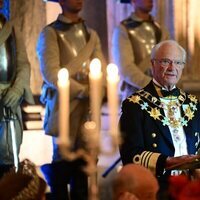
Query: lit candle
point(95, 78)
point(63, 89)
point(113, 99)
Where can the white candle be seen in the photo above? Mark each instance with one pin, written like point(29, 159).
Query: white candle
point(95, 78)
point(63, 89)
point(113, 99)
point(92, 137)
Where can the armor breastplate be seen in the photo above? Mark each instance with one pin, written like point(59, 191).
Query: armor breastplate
point(71, 39)
point(7, 58)
point(143, 36)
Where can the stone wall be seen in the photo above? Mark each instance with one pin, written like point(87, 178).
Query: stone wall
point(31, 16)
point(94, 12)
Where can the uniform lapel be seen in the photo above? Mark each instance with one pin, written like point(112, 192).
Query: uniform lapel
point(190, 139)
point(164, 130)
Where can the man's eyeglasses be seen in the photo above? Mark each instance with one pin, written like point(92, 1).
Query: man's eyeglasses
point(165, 62)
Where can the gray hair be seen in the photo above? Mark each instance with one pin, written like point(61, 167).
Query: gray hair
point(157, 47)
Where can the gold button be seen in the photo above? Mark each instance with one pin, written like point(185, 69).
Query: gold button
point(196, 144)
point(196, 134)
point(153, 135)
point(154, 145)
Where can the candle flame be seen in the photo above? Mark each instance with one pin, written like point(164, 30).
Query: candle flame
point(95, 66)
point(63, 76)
point(112, 70)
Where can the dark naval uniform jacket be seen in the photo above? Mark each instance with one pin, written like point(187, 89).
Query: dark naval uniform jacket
point(146, 139)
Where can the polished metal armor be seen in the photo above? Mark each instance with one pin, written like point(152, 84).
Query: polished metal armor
point(143, 36)
point(71, 39)
point(7, 57)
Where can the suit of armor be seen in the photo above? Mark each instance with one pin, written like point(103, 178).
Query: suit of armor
point(14, 87)
point(131, 48)
point(69, 45)
point(8, 57)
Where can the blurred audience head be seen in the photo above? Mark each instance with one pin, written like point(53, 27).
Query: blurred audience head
point(135, 182)
point(22, 185)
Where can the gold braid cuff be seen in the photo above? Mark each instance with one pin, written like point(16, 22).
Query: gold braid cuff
point(147, 159)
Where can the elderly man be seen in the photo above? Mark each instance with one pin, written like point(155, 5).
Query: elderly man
point(14, 88)
point(69, 43)
point(135, 182)
point(160, 124)
point(132, 42)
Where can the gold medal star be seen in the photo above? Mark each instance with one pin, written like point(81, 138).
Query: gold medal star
point(193, 98)
point(134, 99)
point(189, 113)
point(155, 113)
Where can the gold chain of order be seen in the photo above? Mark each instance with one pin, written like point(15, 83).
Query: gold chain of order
point(142, 98)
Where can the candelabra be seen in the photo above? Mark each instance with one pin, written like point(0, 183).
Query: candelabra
point(88, 154)
point(91, 129)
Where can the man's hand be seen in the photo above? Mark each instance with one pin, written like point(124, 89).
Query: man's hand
point(11, 97)
point(172, 161)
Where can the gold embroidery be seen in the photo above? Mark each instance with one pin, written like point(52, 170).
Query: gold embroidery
point(155, 113)
point(189, 113)
point(193, 98)
point(134, 99)
point(147, 159)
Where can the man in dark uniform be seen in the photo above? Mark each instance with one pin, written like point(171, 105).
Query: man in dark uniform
point(160, 124)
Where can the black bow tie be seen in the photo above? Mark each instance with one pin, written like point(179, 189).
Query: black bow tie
point(174, 92)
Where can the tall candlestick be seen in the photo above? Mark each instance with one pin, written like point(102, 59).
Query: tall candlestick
point(95, 78)
point(91, 135)
point(63, 89)
point(113, 99)
point(92, 147)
